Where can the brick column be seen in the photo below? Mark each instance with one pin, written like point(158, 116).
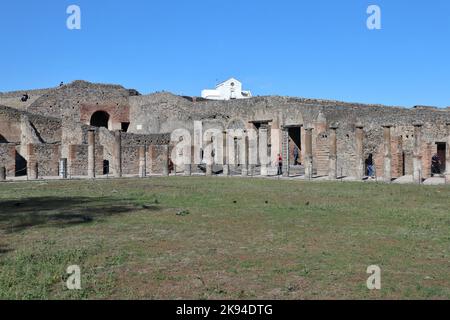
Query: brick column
point(387, 153)
point(332, 169)
point(417, 154)
point(2, 173)
point(447, 155)
point(359, 150)
point(263, 152)
point(165, 156)
point(308, 153)
point(142, 162)
point(91, 154)
point(117, 156)
point(226, 154)
point(285, 151)
point(32, 165)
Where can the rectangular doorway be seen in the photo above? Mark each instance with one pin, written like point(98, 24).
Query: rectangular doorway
point(295, 145)
point(442, 153)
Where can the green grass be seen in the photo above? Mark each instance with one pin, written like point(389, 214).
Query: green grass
point(231, 239)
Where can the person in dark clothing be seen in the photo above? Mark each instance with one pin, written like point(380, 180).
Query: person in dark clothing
point(436, 164)
point(280, 164)
point(369, 166)
point(296, 155)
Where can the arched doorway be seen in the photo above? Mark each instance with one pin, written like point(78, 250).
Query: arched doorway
point(100, 119)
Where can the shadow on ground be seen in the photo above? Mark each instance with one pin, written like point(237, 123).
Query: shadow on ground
point(18, 215)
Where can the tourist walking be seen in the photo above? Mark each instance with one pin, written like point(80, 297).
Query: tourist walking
point(369, 166)
point(280, 164)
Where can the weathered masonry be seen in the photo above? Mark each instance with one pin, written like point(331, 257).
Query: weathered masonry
point(97, 130)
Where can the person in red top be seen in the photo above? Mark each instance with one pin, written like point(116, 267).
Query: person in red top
point(280, 164)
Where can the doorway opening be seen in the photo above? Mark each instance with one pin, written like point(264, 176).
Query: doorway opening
point(442, 153)
point(125, 126)
point(21, 166)
point(105, 167)
point(100, 119)
point(295, 145)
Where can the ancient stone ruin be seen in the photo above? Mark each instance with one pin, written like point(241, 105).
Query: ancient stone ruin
point(96, 130)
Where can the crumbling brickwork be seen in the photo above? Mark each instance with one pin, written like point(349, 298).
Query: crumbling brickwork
point(47, 157)
point(8, 158)
point(78, 160)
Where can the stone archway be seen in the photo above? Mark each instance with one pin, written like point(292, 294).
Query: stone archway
point(100, 119)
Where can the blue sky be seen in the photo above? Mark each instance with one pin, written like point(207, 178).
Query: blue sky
point(318, 49)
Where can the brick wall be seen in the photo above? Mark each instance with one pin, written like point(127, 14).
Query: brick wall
point(130, 160)
point(47, 157)
point(8, 158)
point(78, 160)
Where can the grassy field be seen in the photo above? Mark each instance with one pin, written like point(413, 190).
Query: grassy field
point(223, 238)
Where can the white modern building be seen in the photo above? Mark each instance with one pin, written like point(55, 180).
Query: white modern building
point(227, 90)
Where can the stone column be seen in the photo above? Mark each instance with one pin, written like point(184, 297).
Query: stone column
point(263, 152)
point(308, 153)
point(187, 159)
point(285, 153)
point(226, 146)
point(142, 162)
point(165, 162)
point(32, 165)
point(387, 153)
point(91, 154)
point(63, 168)
point(417, 154)
point(447, 156)
point(359, 150)
point(2, 173)
point(252, 151)
point(207, 155)
point(244, 154)
point(117, 156)
point(275, 142)
point(332, 169)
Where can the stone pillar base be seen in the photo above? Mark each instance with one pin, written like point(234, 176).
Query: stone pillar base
point(264, 171)
point(226, 170)
point(447, 178)
point(187, 170)
point(332, 169)
point(244, 171)
point(209, 170)
point(387, 170)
